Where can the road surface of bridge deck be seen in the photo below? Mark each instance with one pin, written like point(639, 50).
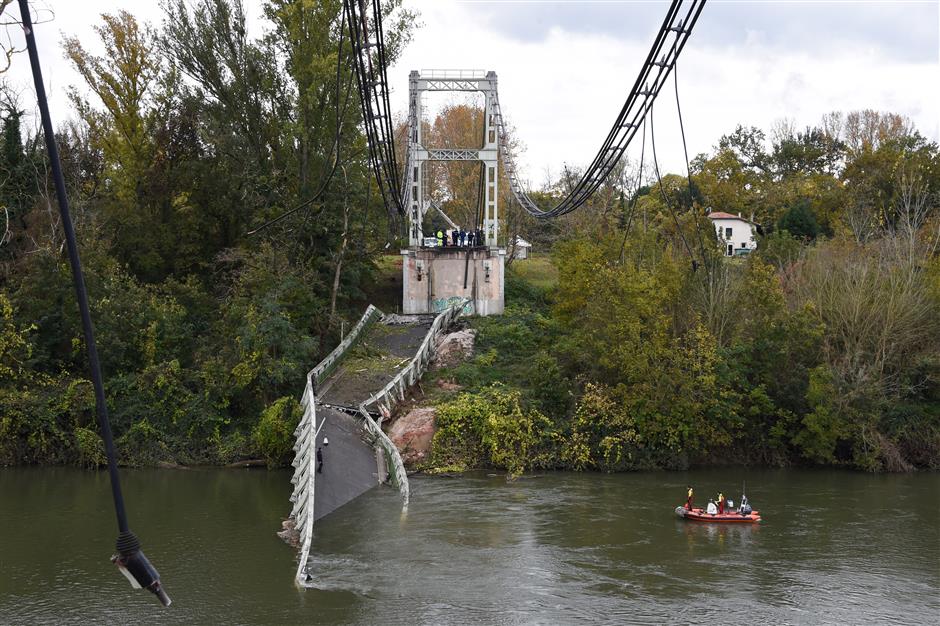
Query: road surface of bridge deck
point(350, 463)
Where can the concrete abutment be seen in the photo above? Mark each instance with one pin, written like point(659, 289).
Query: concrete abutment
point(435, 278)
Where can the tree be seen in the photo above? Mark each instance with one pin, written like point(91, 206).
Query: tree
point(800, 222)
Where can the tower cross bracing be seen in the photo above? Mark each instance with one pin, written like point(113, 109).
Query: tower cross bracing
point(419, 156)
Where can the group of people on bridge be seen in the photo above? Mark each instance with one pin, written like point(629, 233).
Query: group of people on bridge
point(460, 238)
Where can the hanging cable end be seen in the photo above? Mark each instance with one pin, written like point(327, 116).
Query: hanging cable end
point(134, 565)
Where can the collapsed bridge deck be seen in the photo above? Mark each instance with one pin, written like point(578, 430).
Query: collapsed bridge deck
point(350, 464)
point(341, 450)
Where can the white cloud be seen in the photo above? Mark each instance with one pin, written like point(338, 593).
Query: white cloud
point(562, 91)
point(563, 88)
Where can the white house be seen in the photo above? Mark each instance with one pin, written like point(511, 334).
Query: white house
point(735, 233)
point(521, 248)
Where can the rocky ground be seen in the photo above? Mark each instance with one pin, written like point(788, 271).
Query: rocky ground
point(414, 429)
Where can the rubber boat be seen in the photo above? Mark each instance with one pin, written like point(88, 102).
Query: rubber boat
point(733, 516)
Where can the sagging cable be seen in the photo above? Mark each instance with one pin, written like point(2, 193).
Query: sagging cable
point(130, 559)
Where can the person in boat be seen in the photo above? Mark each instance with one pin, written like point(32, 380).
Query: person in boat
point(711, 509)
point(688, 501)
point(721, 503)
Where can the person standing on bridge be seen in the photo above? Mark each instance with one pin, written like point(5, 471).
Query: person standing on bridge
point(440, 237)
point(319, 460)
point(463, 237)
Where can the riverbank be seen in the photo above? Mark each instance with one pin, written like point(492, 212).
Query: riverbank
point(587, 371)
point(537, 392)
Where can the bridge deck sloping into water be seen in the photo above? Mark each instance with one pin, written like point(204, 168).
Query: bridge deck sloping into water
point(341, 451)
point(351, 464)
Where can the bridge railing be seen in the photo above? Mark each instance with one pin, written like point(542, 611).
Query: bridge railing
point(325, 367)
point(394, 392)
point(304, 478)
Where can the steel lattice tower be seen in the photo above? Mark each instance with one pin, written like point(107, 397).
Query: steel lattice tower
point(419, 155)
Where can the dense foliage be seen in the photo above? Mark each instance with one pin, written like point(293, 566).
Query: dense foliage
point(184, 141)
point(823, 347)
point(187, 140)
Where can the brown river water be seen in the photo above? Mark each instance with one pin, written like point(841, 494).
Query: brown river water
point(835, 547)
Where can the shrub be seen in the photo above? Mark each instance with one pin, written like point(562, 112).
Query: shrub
point(90, 448)
point(492, 428)
point(272, 436)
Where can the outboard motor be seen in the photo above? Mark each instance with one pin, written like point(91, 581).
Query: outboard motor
point(745, 506)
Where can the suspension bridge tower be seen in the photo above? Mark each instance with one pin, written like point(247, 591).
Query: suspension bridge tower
point(435, 276)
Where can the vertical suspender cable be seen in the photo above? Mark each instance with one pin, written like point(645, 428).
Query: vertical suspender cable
point(688, 167)
point(662, 190)
point(130, 558)
point(636, 194)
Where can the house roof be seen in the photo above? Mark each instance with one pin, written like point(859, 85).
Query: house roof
point(719, 215)
point(522, 242)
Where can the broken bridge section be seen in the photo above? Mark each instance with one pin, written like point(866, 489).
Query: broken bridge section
point(341, 450)
point(351, 463)
point(387, 348)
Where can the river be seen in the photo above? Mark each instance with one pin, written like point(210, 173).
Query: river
point(560, 548)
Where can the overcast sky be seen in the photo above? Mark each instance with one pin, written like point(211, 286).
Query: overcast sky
point(565, 67)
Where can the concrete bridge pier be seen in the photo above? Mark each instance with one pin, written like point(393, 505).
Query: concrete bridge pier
point(436, 278)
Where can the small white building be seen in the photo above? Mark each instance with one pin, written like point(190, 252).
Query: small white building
point(520, 248)
point(735, 233)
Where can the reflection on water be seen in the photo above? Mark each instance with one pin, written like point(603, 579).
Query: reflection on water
point(834, 547)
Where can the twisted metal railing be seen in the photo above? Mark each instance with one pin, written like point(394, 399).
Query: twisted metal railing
point(325, 367)
point(304, 478)
point(394, 392)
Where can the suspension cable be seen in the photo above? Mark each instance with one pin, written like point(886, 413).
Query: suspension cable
point(688, 170)
point(373, 86)
point(636, 194)
point(662, 190)
point(627, 124)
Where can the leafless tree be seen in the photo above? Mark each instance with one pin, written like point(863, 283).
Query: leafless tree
point(879, 315)
point(717, 293)
point(914, 206)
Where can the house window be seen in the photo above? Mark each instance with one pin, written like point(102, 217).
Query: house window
point(727, 233)
point(730, 249)
point(744, 244)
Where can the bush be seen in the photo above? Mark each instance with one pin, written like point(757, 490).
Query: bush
point(272, 436)
point(143, 445)
point(90, 448)
point(491, 428)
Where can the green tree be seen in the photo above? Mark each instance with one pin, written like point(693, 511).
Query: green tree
point(800, 222)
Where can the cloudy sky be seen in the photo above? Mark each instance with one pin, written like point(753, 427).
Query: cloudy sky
point(565, 67)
